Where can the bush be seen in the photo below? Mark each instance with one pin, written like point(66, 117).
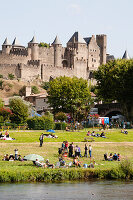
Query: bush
point(1, 76)
point(34, 90)
point(60, 126)
point(126, 167)
point(11, 76)
point(40, 123)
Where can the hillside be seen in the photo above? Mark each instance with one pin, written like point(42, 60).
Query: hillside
point(11, 87)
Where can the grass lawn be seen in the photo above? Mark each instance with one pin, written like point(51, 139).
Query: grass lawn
point(113, 135)
point(28, 142)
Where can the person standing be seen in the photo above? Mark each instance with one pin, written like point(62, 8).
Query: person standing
point(70, 150)
point(41, 139)
point(86, 151)
point(90, 151)
point(16, 154)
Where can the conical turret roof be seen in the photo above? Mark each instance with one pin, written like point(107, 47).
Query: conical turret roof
point(76, 37)
point(56, 41)
point(33, 41)
point(6, 42)
point(15, 42)
point(126, 56)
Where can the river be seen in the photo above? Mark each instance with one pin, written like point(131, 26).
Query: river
point(92, 190)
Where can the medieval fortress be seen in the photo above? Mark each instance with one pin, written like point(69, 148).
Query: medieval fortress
point(79, 58)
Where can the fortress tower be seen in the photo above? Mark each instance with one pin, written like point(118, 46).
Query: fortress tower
point(6, 47)
point(57, 52)
point(33, 45)
point(102, 43)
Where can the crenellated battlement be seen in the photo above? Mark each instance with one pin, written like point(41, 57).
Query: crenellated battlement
point(34, 62)
point(19, 51)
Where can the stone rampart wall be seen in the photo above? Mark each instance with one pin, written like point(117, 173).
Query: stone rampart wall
point(6, 69)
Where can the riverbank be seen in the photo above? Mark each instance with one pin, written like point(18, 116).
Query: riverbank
point(62, 174)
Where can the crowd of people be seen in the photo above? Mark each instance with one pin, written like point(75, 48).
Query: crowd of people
point(112, 157)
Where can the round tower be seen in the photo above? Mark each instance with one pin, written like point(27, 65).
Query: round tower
point(33, 45)
point(57, 52)
point(6, 47)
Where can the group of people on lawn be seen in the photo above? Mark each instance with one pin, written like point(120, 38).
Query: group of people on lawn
point(12, 157)
point(112, 157)
point(93, 134)
point(74, 151)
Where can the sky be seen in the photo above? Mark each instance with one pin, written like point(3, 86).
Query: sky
point(47, 18)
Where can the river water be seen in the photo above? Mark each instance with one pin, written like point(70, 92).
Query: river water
point(92, 190)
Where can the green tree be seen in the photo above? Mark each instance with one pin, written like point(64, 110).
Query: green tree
point(34, 89)
point(19, 110)
point(69, 95)
point(61, 116)
point(42, 44)
point(115, 82)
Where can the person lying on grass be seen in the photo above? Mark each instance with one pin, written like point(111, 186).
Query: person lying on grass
point(39, 164)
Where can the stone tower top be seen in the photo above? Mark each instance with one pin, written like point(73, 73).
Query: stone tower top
point(56, 41)
point(15, 42)
point(76, 37)
point(33, 41)
point(6, 42)
point(126, 56)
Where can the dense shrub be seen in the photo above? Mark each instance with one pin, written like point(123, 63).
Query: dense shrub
point(40, 123)
point(1, 76)
point(60, 126)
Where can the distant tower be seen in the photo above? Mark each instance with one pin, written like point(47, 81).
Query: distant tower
point(6, 47)
point(33, 44)
point(126, 56)
point(57, 52)
point(102, 43)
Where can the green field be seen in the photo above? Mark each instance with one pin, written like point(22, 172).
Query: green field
point(28, 142)
point(113, 135)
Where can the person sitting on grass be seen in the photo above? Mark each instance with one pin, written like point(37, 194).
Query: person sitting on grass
point(93, 133)
point(62, 161)
point(7, 134)
point(76, 162)
point(48, 164)
point(88, 134)
point(11, 157)
point(110, 157)
point(105, 157)
point(6, 157)
point(20, 158)
point(115, 157)
point(102, 135)
point(119, 157)
point(39, 164)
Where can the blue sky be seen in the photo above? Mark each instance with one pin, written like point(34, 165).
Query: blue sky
point(47, 18)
